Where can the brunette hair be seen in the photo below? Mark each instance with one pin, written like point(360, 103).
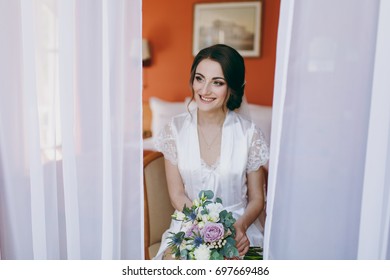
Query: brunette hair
point(233, 69)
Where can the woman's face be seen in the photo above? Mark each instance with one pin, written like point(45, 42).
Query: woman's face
point(209, 86)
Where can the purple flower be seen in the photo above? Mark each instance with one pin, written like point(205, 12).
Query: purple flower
point(212, 232)
point(193, 229)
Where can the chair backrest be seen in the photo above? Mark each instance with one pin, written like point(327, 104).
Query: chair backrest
point(158, 208)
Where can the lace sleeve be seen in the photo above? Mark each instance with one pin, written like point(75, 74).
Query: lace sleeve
point(165, 142)
point(258, 152)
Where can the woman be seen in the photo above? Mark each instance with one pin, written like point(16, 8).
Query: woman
point(214, 148)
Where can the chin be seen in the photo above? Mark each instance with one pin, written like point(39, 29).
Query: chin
point(208, 108)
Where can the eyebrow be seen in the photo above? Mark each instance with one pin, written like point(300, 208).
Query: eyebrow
point(214, 78)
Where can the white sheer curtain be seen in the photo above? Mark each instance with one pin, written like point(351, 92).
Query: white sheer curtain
point(70, 129)
point(328, 187)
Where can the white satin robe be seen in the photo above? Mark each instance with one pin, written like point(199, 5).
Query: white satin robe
point(243, 149)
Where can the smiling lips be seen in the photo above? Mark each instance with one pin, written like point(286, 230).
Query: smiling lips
point(205, 99)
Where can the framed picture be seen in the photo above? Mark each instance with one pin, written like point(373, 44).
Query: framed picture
point(236, 24)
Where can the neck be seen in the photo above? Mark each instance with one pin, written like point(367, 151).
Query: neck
point(211, 118)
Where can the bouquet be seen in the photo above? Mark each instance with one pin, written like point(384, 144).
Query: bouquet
point(254, 253)
point(206, 233)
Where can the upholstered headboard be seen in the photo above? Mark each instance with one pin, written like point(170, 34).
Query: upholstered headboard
point(157, 112)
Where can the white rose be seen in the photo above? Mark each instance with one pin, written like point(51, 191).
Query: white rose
point(179, 216)
point(214, 210)
point(214, 217)
point(196, 203)
point(202, 252)
point(199, 214)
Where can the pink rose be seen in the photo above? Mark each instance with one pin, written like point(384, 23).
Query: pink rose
point(212, 232)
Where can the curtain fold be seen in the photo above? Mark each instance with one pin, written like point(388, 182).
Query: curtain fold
point(38, 220)
point(323, 89)
point(16, 238)
point(70, 130)
point(108, 215)
point(67, 99)
point(374, 232)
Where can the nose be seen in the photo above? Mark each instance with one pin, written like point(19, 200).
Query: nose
point(205, 88)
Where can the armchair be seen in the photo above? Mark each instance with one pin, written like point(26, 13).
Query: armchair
point(157, 205)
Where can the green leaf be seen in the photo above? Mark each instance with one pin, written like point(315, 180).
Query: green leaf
point(230, 250)
point(222, 215)
point(207, 203)
point(184, 254)
point(208, 194)
point(216, 256)
point(230, 241)
point(228, 223)
point(227, 219)
point(188, 212)
point(218, 200)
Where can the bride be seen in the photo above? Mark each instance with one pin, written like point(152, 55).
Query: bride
point(214, 148)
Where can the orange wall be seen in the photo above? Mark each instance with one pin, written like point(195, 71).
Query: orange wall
point(168, 26)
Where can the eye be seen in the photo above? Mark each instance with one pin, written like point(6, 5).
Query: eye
point(218, 83)
point(198, 78)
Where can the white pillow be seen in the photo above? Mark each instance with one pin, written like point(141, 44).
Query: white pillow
point(261, 116)
point(163, 111)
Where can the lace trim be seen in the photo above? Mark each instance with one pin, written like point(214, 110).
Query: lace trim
point(210, 167)
point(166, 143)
point(258, 152)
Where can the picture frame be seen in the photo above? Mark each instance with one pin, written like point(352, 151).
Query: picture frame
point(237, 24)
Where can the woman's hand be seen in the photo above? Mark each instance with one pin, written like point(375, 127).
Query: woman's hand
point(242, 241)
